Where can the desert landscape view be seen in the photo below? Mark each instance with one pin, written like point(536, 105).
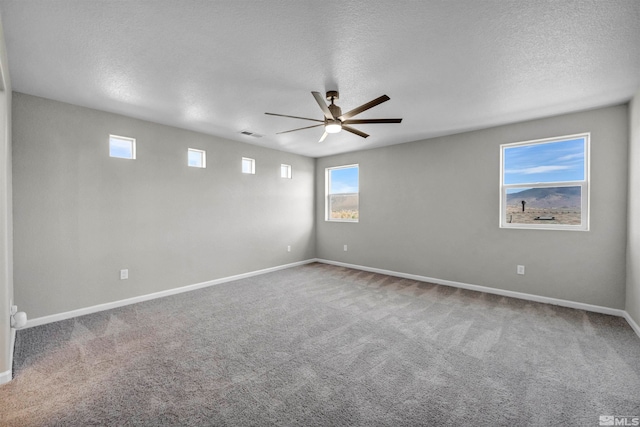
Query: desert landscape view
point(344, 206)
point(561, 216)
point(550, 205)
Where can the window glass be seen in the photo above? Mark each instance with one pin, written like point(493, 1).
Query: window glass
point(544, 184)
point(559, 161)
point(248, 165)
point(343, 197)
point(122, 147)
point(285, 171)
point(196, 158)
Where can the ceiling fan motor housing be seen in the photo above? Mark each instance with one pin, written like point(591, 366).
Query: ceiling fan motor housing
point(332, 94)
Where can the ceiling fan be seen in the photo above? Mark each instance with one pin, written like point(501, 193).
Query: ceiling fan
point(334, 121)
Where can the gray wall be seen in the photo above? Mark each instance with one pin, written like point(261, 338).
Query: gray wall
point(428, 208)
point(81, 216)
point(431, 208)
point(6, 252)
point(633, 242)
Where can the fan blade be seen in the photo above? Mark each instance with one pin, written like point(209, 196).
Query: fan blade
point(295, 117)
point(356, 131)
point(323, 105)
point(293, 130)
point(365, 121)
point(364, 107)
point(324, 135)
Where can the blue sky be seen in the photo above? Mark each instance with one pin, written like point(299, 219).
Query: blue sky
point(344, 180)
point(120, 148)
point(195, 158)
point(548, 162)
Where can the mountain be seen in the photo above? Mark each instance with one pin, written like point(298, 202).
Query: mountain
point(547, 198)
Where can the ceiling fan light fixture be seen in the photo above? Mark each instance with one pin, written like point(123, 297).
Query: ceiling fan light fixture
point(334, 121)
point(333, 126)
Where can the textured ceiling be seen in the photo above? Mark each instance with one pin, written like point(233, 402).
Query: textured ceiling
point(217, 66)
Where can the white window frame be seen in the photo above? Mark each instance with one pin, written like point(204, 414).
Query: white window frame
point(285, 171)
point(327, 199)
point(252, 162)
point(203, 156)
point(583, 184)
point(132, 141)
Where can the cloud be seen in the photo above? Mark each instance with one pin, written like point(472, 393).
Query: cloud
point(571, 157)
point(539, 169)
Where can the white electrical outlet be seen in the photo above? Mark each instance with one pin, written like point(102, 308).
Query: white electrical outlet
point(520, 270)
point(124, 274)
point(288, 248)
point(345, 248)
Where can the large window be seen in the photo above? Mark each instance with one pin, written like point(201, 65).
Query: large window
point(342, 193)
point(545, 184)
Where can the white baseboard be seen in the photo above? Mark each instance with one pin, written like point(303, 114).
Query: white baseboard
point(502, 292)
point(632, 322)
point(107, 306)
point(5, 377)
point(12, 347)
point(520, 295)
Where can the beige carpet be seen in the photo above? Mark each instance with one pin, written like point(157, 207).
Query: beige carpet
point(324, 345)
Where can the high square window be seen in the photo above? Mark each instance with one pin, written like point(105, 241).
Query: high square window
point(248, 165)
point(285, 171)
point(122, 147)
point(544, 184)
point(342, 193)
point(196, 158)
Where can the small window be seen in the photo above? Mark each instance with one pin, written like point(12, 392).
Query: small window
point(342, 193)
point(545, 184)
point(122, 147)
point(248, 165)
point(285, 171)
point(196, 158)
